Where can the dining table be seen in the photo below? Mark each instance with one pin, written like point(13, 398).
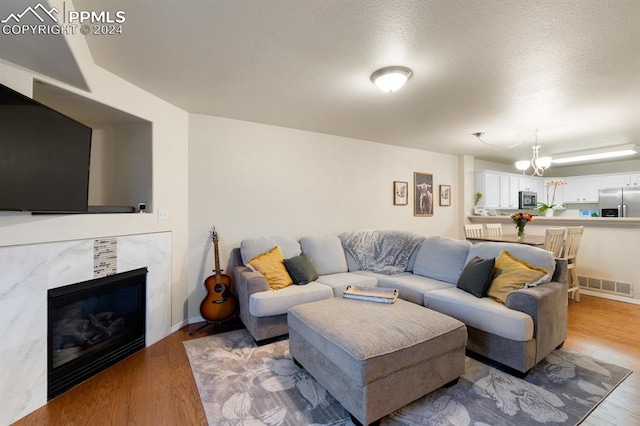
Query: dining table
point(531, 240)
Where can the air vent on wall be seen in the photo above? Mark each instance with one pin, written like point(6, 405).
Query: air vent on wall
point(606, 286)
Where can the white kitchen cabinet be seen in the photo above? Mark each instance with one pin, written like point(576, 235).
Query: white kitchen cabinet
point(489, 185)
point(634, 179)
point(615, 181)
point(580, 190)
point(499, 190)
point(513, 192)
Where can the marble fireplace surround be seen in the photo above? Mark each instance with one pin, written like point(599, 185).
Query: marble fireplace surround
point(28, 271)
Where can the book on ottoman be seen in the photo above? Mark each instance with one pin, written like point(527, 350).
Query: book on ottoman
point(371, 294)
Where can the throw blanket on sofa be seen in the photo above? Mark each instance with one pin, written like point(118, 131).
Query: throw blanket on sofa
point(384, 252)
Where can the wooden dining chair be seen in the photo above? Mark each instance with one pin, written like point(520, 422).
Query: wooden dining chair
point(554, 240)
point(473, 231)
point(570, 252)
point(493, 229)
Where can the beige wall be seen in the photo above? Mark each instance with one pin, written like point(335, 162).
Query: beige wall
point(252, 180)
point(170, 186)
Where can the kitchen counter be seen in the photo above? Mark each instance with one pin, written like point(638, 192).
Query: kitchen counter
point(546, 221)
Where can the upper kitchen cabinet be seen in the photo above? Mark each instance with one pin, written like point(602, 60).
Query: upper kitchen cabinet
point(582, 189)
point(499, 190)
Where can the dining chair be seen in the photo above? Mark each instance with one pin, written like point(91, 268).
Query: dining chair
point(570, 252)
point(553, 240)
point(474, 231)
point(493, 229)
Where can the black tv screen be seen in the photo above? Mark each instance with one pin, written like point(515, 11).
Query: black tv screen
point(44, 157)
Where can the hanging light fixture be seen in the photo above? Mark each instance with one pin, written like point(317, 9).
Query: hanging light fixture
point(390, 79)
point(537, 164)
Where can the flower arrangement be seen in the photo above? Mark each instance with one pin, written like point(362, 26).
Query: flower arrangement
point(542, 207)
point(476, 198)
point(521, 219)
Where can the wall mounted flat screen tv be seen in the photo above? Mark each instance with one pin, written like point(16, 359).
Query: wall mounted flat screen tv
point(44, 157)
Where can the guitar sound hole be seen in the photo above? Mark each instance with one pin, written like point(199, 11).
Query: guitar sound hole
point(218, 288)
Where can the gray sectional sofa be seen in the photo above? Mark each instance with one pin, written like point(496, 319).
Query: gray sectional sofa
point(519, 333)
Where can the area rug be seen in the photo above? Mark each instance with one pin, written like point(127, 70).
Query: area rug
point(244, 384)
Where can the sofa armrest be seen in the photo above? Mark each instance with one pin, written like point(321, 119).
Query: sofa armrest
point(547, 306)
point(249, 282)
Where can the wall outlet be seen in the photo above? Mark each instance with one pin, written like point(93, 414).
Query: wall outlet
point(163, 214)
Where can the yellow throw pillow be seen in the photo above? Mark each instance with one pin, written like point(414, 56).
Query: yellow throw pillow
point(512, 274)
point(271, 265)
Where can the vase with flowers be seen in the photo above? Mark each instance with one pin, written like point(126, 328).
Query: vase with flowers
point(548, 207)
point(521, 219)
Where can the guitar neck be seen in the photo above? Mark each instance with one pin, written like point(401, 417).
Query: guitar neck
point(216, 257)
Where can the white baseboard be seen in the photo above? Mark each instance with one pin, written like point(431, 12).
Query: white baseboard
point(179, 326)
point(609, 296)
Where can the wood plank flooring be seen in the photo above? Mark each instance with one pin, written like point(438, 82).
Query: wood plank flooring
point(155, 386)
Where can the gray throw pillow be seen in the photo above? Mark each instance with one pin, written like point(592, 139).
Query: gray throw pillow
point(476, 276)
point(301, 269)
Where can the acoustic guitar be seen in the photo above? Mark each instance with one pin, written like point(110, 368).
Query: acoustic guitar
point(219, 304)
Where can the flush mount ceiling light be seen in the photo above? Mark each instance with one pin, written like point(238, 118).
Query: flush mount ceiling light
point(537, 164)
point(597, 154)
point(390, 79)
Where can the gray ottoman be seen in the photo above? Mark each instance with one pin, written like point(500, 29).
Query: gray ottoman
point(373, 357)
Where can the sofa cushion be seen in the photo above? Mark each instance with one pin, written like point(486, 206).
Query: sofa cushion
point(477, 276)
point(483, 314)
point(512, 273)
point(271, 265)
point(441, 258)
point(253, 247)
point(338, 282)
point(301, 269)
point(533, 255)
point(411, 287)
point(326, 254)
point(278, 302)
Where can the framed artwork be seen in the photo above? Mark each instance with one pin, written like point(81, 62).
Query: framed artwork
point(445, 195)
point(400, 193)
point(423, 194)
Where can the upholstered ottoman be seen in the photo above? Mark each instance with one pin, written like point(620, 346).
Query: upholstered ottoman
point(373, 357)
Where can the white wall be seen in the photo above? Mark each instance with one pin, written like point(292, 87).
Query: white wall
point(252, 180)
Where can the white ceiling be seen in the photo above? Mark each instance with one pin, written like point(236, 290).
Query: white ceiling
point(504, 67)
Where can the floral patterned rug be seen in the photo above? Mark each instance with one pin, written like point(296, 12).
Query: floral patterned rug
point(243, 384)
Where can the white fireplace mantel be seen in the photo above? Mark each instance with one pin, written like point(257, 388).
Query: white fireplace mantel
point(28, 271)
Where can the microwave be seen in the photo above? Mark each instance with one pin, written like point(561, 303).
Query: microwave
point(527, 200)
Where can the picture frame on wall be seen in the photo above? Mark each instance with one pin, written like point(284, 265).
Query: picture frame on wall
point(400, 193)
point(423, 194)
point(445, 195)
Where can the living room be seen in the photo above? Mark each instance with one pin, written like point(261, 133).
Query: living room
point(248, 177)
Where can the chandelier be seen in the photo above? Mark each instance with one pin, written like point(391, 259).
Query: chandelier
point(537, 165)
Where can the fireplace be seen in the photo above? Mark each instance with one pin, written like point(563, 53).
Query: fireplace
point(92, 325)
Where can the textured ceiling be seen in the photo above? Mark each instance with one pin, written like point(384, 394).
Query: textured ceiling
point(568, 68)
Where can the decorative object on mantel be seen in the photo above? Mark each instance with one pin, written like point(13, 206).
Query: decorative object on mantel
point(548, 207)
point(400, 193)
point(445, 195)
point(521, 219)
point(537, 164)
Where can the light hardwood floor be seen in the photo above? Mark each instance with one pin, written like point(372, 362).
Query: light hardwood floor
point(155, 386)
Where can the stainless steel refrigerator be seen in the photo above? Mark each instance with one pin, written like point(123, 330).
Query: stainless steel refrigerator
point(619, 202)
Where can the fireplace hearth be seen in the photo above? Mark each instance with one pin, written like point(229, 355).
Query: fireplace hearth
point(92, 325)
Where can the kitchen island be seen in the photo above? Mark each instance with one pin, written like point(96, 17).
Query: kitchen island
point(608, 262)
